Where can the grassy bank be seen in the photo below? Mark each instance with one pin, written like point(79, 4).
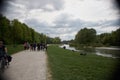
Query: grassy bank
point(68, 65)
point(13, 49)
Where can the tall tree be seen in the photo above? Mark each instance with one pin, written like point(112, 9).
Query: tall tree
point(85, 36)
point(15, 32)
point(4, 29)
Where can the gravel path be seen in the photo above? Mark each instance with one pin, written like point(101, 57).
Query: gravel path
point(27, 65)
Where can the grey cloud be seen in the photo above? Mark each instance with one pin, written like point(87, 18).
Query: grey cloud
point(41, 27)
point(35, 23)
point(18, 8)
point(78, 23)
point(73, 26)
point(40, 4)
point(64, 20)
point(13, 10)
point(108, 23)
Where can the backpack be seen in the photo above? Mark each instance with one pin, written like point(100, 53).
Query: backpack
point(9, 58)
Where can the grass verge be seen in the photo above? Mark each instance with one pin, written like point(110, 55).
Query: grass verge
point(13, 49)
point(68, 65)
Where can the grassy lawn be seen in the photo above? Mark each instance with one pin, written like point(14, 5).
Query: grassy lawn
point(68, 65)
point(13, 49)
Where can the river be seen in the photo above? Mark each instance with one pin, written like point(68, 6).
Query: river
point(113, 52)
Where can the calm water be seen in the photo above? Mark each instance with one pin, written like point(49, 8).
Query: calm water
point(113, 52)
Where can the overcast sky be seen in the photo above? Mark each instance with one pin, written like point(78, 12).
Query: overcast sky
point(64, 18)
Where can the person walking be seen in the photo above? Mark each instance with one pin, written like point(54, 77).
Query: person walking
point(34, 46)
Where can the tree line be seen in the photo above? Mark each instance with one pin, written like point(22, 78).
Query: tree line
point(15, 32)
point(88, 37)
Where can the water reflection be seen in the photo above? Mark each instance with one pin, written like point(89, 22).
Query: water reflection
point(109, 51)
point(113, 52)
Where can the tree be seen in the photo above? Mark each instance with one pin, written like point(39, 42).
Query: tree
point(110, 39)
point(5, 29)
point(56, 40)
point(117, 38)
point(15, 32)
point(85, 37)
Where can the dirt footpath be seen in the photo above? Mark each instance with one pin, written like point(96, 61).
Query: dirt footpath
point(27, 65)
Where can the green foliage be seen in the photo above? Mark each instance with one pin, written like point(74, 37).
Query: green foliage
point(56, 40)
point(68, 65)
point(110, 38)
point(115, 37)
point(49, 40)
point(15, 32)
point(4, 28)
point(85, 37)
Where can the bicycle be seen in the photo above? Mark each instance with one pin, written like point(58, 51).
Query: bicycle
point(2, 64)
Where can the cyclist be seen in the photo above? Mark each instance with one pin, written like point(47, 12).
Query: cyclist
point(3, 53)
point(3, 49)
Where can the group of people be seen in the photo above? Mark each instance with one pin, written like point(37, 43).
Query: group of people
point(35, 46)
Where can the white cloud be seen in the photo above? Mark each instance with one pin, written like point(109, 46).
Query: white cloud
point(91, 10)
point(105, 29)
point(49, 7)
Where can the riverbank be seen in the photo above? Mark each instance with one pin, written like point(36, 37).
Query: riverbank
point(112, 52)
point(69, 65)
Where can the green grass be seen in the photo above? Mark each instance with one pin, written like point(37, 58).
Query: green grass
point(13, 49)
point(68, 65)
